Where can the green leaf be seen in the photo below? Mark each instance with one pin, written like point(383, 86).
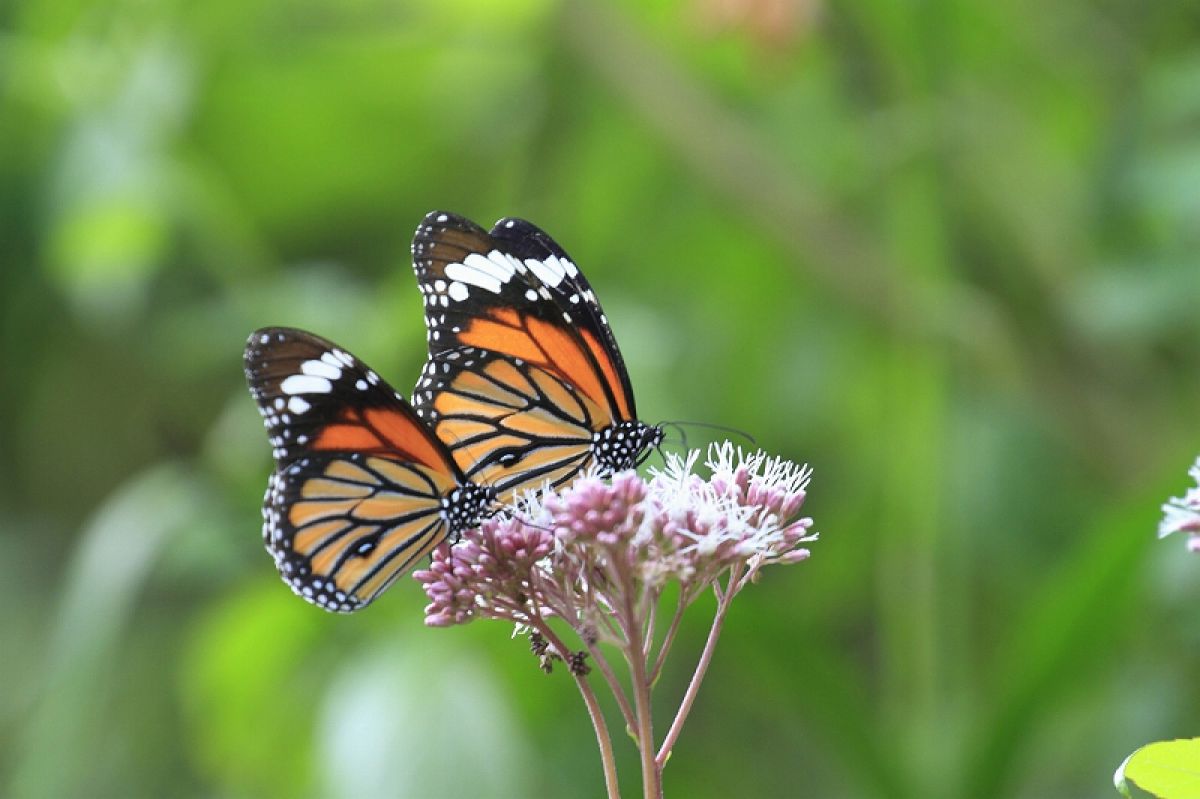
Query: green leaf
point(1167, 769)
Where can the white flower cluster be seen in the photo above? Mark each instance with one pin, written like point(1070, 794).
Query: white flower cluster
point(1182, 514)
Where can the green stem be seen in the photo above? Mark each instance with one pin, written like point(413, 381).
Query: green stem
point(607, 759)
point(635, 655)
point(710, 645)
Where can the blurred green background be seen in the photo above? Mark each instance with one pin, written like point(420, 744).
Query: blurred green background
point(945, 251)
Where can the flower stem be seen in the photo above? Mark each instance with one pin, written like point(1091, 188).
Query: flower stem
point(607, 759)
point(685, 707)
point(635, 655)
point(614, 684)
point(668, 639)
point(651, 617)
point(564, 609)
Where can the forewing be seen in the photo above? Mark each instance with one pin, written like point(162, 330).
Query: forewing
point(466, 276)
point(574, 298)
point(515, 292)
point(316, 397)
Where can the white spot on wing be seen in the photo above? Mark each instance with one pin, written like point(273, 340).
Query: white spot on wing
point(472, 276)
point(306, 384)
point(548, 271)
point(321, 369)
point(495, 265)
point(531, 295)
point(458, 291)
point(298, 405)
point(503, 263)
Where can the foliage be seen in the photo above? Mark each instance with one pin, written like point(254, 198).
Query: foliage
point(944, 252)
point(1167, 769)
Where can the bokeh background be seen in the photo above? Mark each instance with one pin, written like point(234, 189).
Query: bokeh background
point(945, 251)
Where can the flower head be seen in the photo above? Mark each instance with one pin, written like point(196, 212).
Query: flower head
point(1182, 514)
point(569, 553)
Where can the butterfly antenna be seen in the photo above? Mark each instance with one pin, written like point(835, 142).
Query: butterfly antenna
point(679, 425)
point(682, 435)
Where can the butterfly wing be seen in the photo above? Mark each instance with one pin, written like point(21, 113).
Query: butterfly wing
point(574, 298)
point(510, 425)
point(524, 382)
point(515, 291)
point(360, 482)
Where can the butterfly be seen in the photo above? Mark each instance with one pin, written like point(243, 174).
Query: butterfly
point(525, 383)
point(362, 488)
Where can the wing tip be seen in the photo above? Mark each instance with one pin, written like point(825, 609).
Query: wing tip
point(443, 220)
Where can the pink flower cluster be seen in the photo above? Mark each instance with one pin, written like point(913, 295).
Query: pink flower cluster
point(489, 567)
point(569, 554)
point(1182, 514)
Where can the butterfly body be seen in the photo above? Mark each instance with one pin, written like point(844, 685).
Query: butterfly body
point(362, 489)
point(525, 382)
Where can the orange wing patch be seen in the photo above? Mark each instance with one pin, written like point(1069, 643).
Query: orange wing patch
point(477, 384)
point(409, 477)
point(543, 344)
point(502, 338)
point(387, 505)
point(507, 374)
point(304, 512)
point(540, 423)
point(324, 488)
point(564, 357)
point(563, 399)
point(349, 437)
point(610, 373)
point(406, 436)
point(314, 536)
point(448, 404)
point(381, 430)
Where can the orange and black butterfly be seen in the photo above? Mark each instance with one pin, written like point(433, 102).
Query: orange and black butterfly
point(362, 488)
point(524, 383)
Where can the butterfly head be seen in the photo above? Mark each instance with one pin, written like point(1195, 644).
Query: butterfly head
point(466, 506)
point(624, 445)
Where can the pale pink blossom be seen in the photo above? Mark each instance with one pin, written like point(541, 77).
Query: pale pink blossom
point(1182, 514)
